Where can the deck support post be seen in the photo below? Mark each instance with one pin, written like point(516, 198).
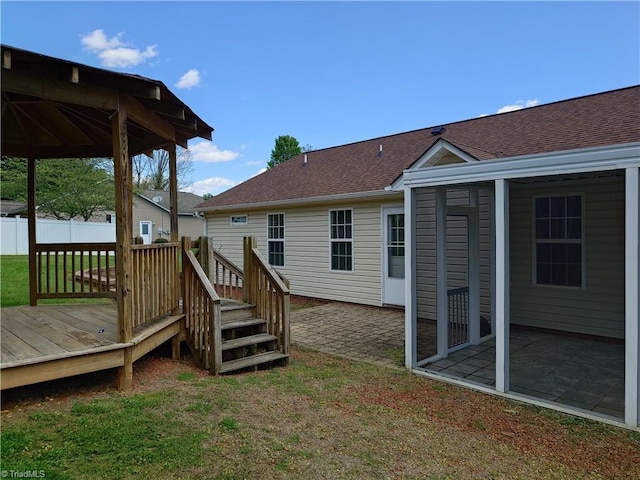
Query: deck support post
point(124, 234)
point(632, 299)
point(32, 219)
point(502, 284)
point(442, 306)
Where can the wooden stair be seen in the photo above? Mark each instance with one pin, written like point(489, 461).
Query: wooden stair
point(245, 343)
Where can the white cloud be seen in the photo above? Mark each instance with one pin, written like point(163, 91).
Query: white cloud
point(213, 185)
point(189, 80)
point(519, 105)
point(207, 152)
point(113, 52)
point(253, 163)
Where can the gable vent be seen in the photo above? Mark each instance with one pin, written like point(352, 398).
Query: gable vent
point(437, 130)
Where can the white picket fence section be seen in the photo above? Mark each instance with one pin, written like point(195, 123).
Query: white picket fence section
point(14, 233)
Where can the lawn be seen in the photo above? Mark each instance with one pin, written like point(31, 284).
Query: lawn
point(321, 417)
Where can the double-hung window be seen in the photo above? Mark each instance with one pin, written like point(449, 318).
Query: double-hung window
point(275, 239)
point(341, 232)
point(559, 258)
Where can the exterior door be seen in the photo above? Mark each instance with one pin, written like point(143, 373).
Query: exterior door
point(393, 256)
point(145, 232)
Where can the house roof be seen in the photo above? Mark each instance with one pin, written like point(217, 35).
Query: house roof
point(607, 118)
point(12, 207)
point(54, 108)
point(186, 201)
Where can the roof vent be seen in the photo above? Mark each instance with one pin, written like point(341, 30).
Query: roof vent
point(305, 159)
point(437, 130)
point(380, 151)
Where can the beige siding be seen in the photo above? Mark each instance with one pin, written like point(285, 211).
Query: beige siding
point(307, 249)
point(597, 309)
point(145, 211)
point(457, 249)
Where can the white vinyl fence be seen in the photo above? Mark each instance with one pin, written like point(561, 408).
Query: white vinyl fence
point(14, 233)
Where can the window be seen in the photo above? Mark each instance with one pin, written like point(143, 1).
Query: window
point(239, 220)
point(341, 227)
point(559, 242)
point(275, 236)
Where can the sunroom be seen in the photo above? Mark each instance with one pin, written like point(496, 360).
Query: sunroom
point(522, 276)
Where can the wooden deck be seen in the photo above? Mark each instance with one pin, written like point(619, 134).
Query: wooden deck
point(47, 342)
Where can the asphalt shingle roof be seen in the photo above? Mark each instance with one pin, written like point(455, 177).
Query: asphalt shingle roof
point(607, 118)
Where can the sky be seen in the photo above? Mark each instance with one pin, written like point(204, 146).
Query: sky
point(330, 73)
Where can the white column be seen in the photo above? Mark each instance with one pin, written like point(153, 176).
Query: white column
point(474, 266)
point(442, 307)
point(410, 291)
point(632, 301)
point(502, 284)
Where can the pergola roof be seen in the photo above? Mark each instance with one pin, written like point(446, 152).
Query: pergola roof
point(54, 108)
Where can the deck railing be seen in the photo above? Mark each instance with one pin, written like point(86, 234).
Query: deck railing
point(155, 282)
point(70, 270)
point(269, 291)
point(458, 299)
point(227, 279)
point(203, 316)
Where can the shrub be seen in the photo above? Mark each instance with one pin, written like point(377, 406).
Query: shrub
point(161, 240)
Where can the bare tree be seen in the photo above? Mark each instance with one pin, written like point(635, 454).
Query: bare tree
point(152, 173)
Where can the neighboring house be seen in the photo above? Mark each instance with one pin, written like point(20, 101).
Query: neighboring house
point(152, 219)
point(525, 218)
point(12, 208)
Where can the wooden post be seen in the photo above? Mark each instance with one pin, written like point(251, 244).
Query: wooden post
point(249, 280)
point(124, 233)
point(31, 202)
point(173, 191)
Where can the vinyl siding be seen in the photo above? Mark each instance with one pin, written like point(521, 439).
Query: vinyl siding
point(143, 210)
point(457, 249)
point(307, 249)
point(596, 309)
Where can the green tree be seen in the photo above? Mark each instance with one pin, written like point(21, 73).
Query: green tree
point(65, 188)
point(285, 148)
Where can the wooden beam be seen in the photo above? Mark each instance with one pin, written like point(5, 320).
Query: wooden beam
point(166, 109)
point(124, 199)
point(25, 83)
point(75, 75)
point(149, 120)
point(32, 215)
point(6, 60)
point(173, 191)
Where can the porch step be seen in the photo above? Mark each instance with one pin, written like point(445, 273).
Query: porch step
point(244, 322)
point(252, 361)
point(237, 310)
point(246, 341)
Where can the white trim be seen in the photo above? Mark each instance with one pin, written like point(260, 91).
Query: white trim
point(281, 240)
point(555, 163)
point(343, 240)
point(431, 157)
point(535, 241)
point(410, 310)
point(502, 284)
point(632, 300)
point(385, 195)
point(237, 224)
point(473, 268)
point(386, 210)
point(442, 304)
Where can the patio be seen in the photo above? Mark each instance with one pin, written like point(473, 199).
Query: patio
point(579, 372)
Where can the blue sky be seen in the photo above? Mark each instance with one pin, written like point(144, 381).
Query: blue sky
point(330, 73)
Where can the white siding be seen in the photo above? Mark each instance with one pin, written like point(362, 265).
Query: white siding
point(307, 249)
point(597, 309)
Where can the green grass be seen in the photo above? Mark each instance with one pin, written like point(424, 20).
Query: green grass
point(14, 283)
point(320, 417)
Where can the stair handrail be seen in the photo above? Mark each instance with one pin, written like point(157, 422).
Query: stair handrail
point(203, 312)
point(268, 290)
point(227, 278)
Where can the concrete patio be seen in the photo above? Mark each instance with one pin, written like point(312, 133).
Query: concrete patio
point(579, 372)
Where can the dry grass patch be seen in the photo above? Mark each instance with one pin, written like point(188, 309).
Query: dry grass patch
point(321, 417)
